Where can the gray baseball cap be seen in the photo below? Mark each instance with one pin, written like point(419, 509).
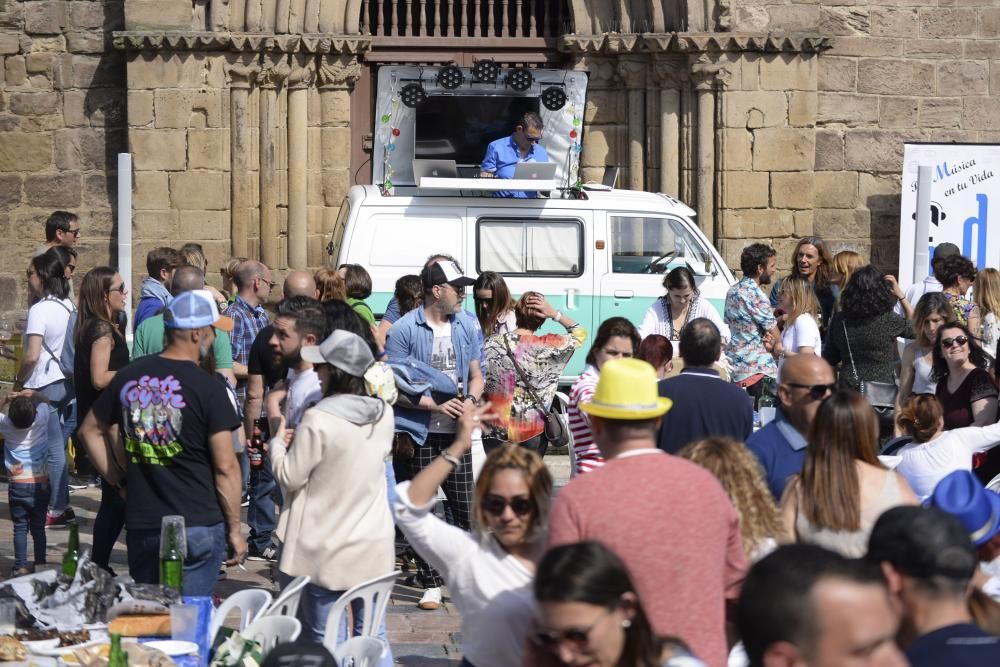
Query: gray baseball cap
point(342, 349)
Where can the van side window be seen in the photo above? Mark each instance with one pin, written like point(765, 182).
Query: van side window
point(525, 247)
point(651, 245)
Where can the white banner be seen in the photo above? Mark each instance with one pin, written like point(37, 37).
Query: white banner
point(965, 202)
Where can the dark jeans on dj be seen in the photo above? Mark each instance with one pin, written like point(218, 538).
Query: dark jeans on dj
point(28, 505)
point(206, 549)
point(265, 500)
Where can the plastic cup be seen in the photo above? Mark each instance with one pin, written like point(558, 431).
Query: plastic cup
point(8, 617)
point(184, 622)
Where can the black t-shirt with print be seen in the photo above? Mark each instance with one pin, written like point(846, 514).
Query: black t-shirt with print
point(166, 411)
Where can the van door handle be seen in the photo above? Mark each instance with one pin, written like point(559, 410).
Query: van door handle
point(571, 299)
point(624, 294)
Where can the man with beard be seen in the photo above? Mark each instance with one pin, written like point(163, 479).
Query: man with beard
point(751, 321)
point(175, 454)
point(301, 321)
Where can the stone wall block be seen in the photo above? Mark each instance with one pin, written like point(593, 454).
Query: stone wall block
point(34, 104)
point(836, 189)
point(757, 109)
point(788, 72)
point(15, 71)
point(845, 20)
point(941, 112)
point(898, 112)
point(981, 113)
point(839, 223)
point(86, 42)
point(880, 192)
point(933, 48)
point(79, 149)
point(894, 21)
point(847, 109)
point(40, 63)
point(792, 190)
point(802, 110)
point(213, 225)
point(335, 147)
point(948, 22)
point(337, 107)
point(336, 183)
point(140, 108)
point(155, 150)
point(737, 154)
point(94, 15)
point(757, 224)
point(44, 17)
point(208, 149)
point(866, 47)
point(604, 107)
point(25, 151)
point(750, 72)
point(58, 191)
point(744, 189)
point(151, 191)
point(960, 77)
point(10, 190)
point(9, 44)
point(980, 49)
point(793, 18)
point(803, 223)
point(783, 149)
point(895, 77)
point(183, 109)
point(989, 22)
point(873, 150)
point(158, 15)
point(837, 74)
point(158, 225)
point(99, 107)
point(96, 71)
point(199, 190)
point(159, 72)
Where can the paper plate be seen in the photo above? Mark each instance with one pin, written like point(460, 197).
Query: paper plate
point(173, 648)
point(57, 651)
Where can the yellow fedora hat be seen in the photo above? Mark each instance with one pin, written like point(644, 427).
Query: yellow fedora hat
point(627, 390)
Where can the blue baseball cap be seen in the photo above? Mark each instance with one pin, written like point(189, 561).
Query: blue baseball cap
point(961, 494)
point(194, 310)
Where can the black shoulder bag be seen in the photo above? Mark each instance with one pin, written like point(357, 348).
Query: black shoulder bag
point(555, 429)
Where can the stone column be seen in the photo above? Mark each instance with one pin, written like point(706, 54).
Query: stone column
point(633, 73)
point(240, 76)
point(270, 78)
point(301, 78)
point(669, 76)
point(337, 74)
point(705, 74)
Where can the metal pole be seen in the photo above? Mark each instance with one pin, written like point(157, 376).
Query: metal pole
point(125, 230)
point(921, 237)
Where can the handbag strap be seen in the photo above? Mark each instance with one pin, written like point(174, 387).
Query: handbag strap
point(850, 354)
point(539, 405)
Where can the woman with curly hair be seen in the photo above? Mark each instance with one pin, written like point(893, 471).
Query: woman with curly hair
point(957, 275)
point(861, 338)
point(934, 452)
point(738, 470)
point(965, 389)
point(812, 260)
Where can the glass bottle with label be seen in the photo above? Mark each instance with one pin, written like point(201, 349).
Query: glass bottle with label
point(172, 552)
point(766, 405)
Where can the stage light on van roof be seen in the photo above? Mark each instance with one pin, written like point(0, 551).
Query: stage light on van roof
point(554, 98)
point(450, 77)
point(520, 79)
point(485, 71)
point(413, 95)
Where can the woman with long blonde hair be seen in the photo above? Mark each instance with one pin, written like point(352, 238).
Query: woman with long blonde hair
point(801, 317)
point(842, 488)
point(932, 312)
point(845, 263)
point(986, 291)
point(738, 470)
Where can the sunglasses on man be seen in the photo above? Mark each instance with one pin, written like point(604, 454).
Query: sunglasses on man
point(817, 392)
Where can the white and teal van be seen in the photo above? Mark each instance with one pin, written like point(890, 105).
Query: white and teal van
point(594, 257)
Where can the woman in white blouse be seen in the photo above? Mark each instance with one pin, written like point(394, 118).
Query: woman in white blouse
point(489, 572)
point(681, 304)
point(935, 452)
point(801, 312)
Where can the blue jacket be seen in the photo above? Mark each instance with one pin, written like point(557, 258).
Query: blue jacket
point(704, 406)
point(411, 337)
point(416, 378)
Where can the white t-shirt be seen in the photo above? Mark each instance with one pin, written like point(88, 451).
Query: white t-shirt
point(304, 391)
point(26, 449)
point(48, 318)
point(443, 359)
point(803, 333)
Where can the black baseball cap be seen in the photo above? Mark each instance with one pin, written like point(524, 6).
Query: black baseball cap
point(923, 542)
point(445, 271)
point(942, 250)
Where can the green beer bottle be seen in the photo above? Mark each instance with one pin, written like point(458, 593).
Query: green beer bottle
point(72, 554)
point(172, 561)
point(117, 657)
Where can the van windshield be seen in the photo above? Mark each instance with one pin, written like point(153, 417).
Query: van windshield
point(646, 244)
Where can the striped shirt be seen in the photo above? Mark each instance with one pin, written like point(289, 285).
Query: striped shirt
point(588, 456)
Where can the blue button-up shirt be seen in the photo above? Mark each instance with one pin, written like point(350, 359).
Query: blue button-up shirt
point(781, 450)
point(503, 156)
point(247, 322)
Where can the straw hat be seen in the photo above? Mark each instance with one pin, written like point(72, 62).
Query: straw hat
point(627, 390)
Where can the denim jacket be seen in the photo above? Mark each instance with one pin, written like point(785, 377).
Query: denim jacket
point(411, 337)
point(415, 378)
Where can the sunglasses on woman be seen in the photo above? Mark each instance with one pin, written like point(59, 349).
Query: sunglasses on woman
point(957, 340)
point(578, 637)
point(496, 505)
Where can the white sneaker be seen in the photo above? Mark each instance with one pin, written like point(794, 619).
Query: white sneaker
point(431, 599)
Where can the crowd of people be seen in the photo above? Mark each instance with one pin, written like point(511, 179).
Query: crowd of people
point(849, 524)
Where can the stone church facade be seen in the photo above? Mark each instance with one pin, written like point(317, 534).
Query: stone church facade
point(248, 120)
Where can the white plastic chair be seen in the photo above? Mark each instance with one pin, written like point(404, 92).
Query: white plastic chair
point(250, 602)
point(287, 604)
point(359, 652)
point(375, 595)
point(269, 631)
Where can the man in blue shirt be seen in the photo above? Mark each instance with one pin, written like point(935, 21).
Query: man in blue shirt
point(503, 155)
point(929, 562)
point(805, 380)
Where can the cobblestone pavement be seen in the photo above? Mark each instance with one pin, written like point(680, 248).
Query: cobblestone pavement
point(418, 638)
